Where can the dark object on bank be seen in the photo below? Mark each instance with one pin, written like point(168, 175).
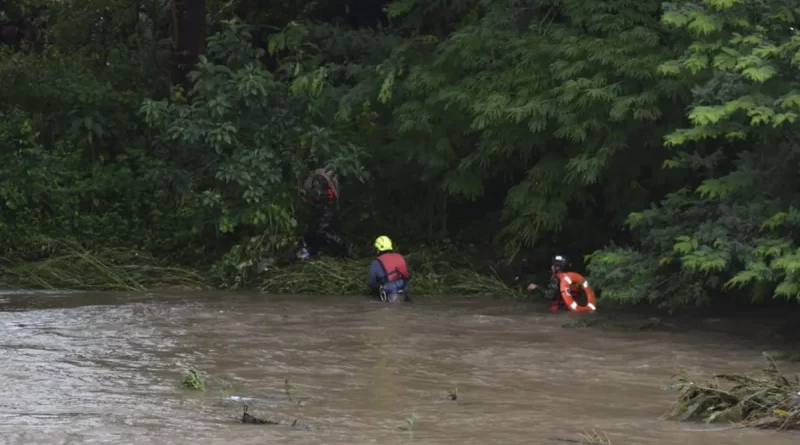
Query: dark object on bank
point(321, 190)
point(247, 418)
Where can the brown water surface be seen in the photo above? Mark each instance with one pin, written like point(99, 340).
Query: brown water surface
point(86, 368)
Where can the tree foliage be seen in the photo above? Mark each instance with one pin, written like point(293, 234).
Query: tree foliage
point(658, 139)
point(733, 226)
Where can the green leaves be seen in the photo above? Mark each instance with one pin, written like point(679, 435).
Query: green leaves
point(241, 126)
point(753, 56)
point(730, 231)
point(570, 96)
point(670, 68)
point(685, 244)
point(696, 257)
point(675, 18)
point(704, 24)
point(672, 124)
point(759, 74)
point(754, 272)
point(702, 116)
point(720, 5)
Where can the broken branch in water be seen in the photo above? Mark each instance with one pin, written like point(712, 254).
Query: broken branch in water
point(595, 438)
point(772, 401)
point(592, 438)
point(409, 427)
point(253, 420)
point(248, 418)
point(288, 389)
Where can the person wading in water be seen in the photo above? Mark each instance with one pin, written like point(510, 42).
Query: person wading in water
point(388, 275)
point(553, 291)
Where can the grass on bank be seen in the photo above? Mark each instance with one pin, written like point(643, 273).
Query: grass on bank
point(770, 401)
point(72, 267)
point(430, 276)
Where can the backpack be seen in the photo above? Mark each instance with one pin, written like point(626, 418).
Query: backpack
point(325, 177)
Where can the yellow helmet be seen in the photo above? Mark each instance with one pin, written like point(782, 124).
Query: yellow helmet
point(383, 243)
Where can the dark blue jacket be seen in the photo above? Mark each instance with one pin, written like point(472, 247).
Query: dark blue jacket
point(377, 276)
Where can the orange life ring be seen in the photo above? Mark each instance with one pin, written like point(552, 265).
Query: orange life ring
point(572, 281)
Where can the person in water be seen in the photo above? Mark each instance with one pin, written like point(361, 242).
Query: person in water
point(321, 190)
point(553, 291)
point(388, 275)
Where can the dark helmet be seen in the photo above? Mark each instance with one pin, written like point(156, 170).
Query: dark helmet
point(560, 261)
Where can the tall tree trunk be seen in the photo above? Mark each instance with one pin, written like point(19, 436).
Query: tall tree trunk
point(189, 37)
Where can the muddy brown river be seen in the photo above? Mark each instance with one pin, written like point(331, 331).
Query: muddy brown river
point(105, 368)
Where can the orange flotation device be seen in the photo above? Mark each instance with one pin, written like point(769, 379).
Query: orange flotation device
point(572, 282)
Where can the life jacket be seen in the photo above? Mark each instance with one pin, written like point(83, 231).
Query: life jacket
point(394, 265)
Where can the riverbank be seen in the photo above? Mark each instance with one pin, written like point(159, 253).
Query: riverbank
point(432, 275)
point(438, 275)
point(70, 267)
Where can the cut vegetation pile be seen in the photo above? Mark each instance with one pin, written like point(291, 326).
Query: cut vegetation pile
point(68, 265)
point(769, 401)
point(71, 266)
point(348, 277)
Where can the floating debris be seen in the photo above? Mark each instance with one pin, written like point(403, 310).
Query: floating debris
point(288, 389)
point(191, 380)
point(772, 401)
point(300, 426)
point(409, 426)
point(595, 438)
point(248, 418)
point(453, 394)
point(587, 438)
point(253, 420)
point(243, 399)
point(267, 399)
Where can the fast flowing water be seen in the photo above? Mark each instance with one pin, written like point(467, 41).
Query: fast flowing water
point(106, 368)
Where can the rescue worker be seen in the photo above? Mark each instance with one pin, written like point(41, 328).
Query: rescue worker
point(321, 190)
point(388, 275)
point(553, 291)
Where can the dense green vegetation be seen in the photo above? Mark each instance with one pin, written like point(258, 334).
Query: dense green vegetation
point(659, 139)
